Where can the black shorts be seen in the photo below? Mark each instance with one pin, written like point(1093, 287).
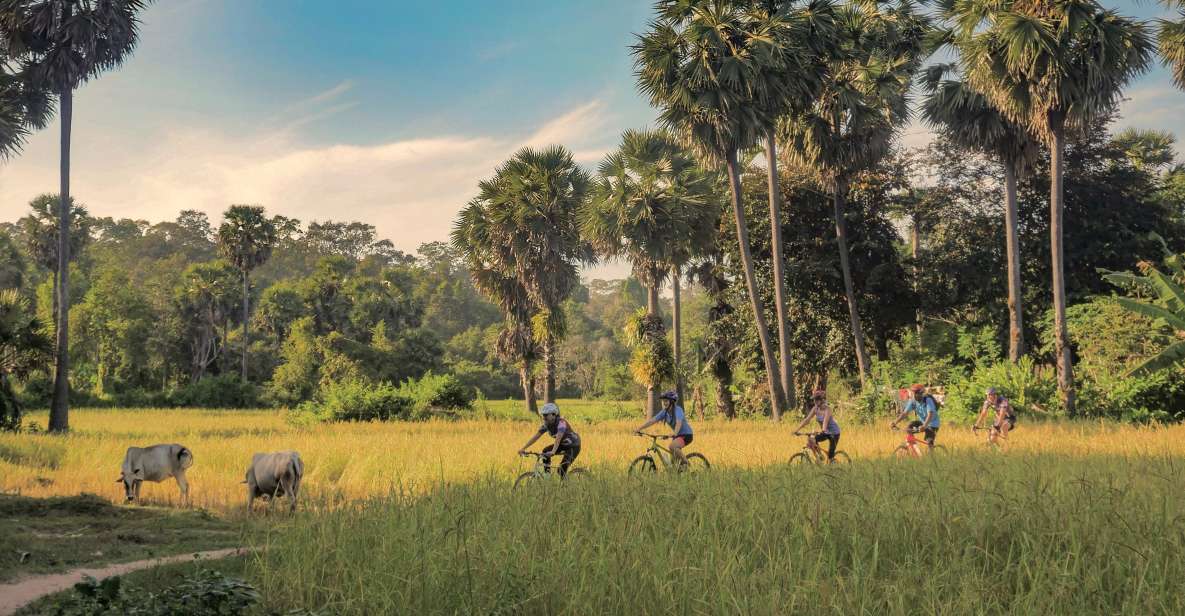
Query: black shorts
point(1011, 420)
point(569, 452)
point(930, 434)
point(832, 441)
point(686, 438)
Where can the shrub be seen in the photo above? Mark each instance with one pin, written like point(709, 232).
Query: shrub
point(224, 391)
point(205, 593)
point(1029, 388)
point(436, 393)
point(353, 401)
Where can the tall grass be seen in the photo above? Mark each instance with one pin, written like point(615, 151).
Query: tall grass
point(359, 460)
point(979, 533)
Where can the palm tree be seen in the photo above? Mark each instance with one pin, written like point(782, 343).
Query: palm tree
point(40, 232)
point(653, 205)
point(969, 120)
point(1051, 65)
point(1172, 41)
point(60, 44)
point(701, 64)
point(22, 108)
point(523, 227)
point(245, 240)
point(24, 347)
point(851, 124)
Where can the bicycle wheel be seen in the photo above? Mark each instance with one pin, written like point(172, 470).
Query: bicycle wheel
point(841, 457)
point(643, 465)
point(801, 459)
point(696, 462)
point(524, 479)
point(903, 451)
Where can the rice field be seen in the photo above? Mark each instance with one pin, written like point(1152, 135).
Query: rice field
point(355, 461)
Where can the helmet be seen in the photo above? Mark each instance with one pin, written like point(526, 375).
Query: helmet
point(819, 393)
point(917, 388)
point(670, 395)
point(991, 391)
point(549, 409)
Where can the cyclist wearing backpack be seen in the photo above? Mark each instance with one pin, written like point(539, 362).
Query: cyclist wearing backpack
point(1005, 415)
point(925, 409)
point(567, 442)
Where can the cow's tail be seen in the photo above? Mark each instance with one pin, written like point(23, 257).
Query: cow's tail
point(185, 457)
point(295, 467)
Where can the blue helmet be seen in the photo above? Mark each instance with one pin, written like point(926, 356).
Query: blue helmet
point(670, 395)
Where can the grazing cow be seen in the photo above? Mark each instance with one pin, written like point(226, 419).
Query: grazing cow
point(155, 463)
point(274, 474)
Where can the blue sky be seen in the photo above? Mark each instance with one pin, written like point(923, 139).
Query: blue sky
point(383, 111)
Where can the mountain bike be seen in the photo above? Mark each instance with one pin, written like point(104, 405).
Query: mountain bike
point(648, 462)
point(996, 440)
point(913, 447)
point(541, 472)
point(813, 454)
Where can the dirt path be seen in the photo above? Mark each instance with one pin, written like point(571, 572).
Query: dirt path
point(20, 593)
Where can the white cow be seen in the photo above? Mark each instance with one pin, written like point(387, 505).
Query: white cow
point(274, 474)
point(156, 463)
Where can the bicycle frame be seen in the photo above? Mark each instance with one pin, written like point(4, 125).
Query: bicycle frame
point(663, 454)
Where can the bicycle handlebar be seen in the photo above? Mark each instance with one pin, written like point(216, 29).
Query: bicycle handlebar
point(654, 436)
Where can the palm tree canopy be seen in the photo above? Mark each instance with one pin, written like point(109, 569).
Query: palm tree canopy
point(1047, 62)
point(23, 108)
point(40, 229)
point(652, 204)
point(968, 118)
point(24, 344)
point(246, 237)
point(1172, 41)
point(63, 43)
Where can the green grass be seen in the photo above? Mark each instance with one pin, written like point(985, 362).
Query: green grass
point(983, 533)
point(588, 411)
point(61, 533)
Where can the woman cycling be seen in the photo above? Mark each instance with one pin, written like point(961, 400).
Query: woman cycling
point(1005, 415)
point(567, 442)
point(673, 415)
point(828, 427)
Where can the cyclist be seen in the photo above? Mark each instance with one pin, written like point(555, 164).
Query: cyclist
point(828, 427)
point(1005, 415)
point(673, 415)
point(925, 409)
point(567, 442)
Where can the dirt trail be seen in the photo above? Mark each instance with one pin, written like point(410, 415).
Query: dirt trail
point(20, 593)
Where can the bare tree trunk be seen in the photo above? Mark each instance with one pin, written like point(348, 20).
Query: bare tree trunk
point(549, 369)
point(59, 411)
point(676, 324)
point(786, 365)
point(841, 234)
point(1065, 369)
point(652, 310)
point(777, 397)
point(524, 375)
point(915, 248)
point(1016, 330)
point(246, 311)
point(724, 403)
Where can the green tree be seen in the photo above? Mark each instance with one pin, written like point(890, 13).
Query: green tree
point(1172, 41)
point(1051, 65)
point(852, 123)
point(24, 347)
point(1159, 297)
point(40, 232)
point(652, 205)
point(205, 297)
point(12, 264)
point(61, 44)
point(968, 119)
point(245, 239)
point(524, 227)
point(701, 64)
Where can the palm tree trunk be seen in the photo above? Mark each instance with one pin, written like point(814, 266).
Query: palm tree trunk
point(841, 235)
point(246, 311)
point(786, 365)
point(676, 324)
point(524, 375)
point(652, 310)
point(1065, 370)
point(549, 368)
point(915, 249)
point(59, 411)
point(776, 395)
point(1016, 335)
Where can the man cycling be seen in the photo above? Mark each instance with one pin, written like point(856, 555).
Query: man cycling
point(1005, 415)
point(673, 415)
point(925, 409)
point(567, 442)
point(828, 427)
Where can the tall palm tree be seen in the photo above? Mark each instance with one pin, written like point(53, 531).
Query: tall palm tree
point(653, 205)
point(40, 232)
point(245, 239)
point(24, 347)
point(700, 63)
point(60, 44)
point(1051, 65)
point(969, 120)
point(851, 124)
point(1172, 41)
point(523, 226)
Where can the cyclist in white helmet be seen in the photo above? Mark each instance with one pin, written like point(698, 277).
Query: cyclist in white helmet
point(567, 442)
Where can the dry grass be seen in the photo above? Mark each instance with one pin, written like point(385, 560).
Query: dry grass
point(352, 461)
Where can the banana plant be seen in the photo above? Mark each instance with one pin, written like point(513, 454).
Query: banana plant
point(1160, 296)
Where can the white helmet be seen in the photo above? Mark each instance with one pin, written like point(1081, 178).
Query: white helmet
point(549, 409)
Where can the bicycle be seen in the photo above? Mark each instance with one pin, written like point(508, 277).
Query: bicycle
point(645, 463)
point(911, 448)
point(995, 439)
point(813, 454)
point(541, 471)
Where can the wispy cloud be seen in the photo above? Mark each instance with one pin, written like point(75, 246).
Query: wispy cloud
point(500, 50)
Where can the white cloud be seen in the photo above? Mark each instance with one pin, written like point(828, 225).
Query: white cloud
point(409, 189)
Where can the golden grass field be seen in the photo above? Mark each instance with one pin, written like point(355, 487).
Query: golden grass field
point(358, 460)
